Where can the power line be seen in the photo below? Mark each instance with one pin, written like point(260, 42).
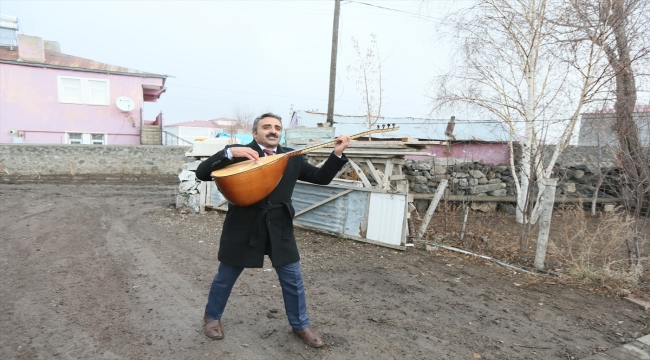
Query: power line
point(275, 95)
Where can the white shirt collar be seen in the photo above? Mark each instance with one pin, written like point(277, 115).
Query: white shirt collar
point(262, 147)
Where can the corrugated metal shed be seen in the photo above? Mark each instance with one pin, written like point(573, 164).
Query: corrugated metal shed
point(423, 129)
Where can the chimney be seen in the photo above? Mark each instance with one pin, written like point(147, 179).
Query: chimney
point(52, 45)
point(30, 49)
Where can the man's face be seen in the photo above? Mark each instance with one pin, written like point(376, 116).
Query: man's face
point(268, 132)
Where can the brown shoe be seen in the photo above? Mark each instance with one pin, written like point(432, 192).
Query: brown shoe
point(311, 337)
point(212, 328)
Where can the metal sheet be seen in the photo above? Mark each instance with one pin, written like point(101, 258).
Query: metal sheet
point(386, 218)
point(330, 216)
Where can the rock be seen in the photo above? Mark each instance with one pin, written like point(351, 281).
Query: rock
point(421, 180)
point(473, 182)
point(439, 177)
point(485, 188)
point(421, 188)
point(477, 174)
point(500, 192)
point(438, 170)
point(461, 174)
point(490, 175)
point(507, 208)
point(494, 181)
point(424, 166)
point(484, 206)
point(482, 181)
point(462, 182)
point(578, 174)
point(569, 187)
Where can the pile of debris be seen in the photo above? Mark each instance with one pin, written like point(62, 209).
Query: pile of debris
point(188, 189)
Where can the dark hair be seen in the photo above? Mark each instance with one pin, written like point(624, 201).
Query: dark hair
point(257, 119)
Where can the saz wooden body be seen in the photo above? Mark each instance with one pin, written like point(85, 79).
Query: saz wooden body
point(248, 182)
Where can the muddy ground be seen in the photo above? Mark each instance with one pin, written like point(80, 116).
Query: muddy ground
point(112, 271)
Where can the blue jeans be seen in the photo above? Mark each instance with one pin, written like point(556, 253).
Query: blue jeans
point(293, 293)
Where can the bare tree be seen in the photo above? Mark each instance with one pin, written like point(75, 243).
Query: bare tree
point(244, 115)
point(622, 29)
point(513, 62)
point(368, 77)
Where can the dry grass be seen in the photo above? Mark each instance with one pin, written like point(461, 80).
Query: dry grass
point(582, 247)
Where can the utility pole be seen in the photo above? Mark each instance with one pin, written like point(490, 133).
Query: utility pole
point(335, 45)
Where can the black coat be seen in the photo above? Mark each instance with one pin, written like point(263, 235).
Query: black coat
point(247, 229)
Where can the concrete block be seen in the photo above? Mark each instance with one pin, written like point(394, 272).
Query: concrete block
point(187, 175)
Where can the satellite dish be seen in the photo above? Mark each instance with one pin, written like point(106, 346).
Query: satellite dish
point(125, 103)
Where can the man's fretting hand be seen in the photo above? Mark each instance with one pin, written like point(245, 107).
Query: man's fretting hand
point(341, 143)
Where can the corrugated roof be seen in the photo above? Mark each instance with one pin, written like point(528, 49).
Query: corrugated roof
point(423, 129)
point(65, 61)
point(220, 123)
point(198, 123)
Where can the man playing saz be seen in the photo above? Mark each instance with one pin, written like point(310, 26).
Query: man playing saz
point(266, 227)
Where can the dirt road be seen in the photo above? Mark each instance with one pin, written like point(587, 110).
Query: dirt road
point(111, 271)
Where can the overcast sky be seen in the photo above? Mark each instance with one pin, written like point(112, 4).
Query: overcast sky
point(266, 55)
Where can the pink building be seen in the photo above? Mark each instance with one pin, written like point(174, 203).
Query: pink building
point(47, 97)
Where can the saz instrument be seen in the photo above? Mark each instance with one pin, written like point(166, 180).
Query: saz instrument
point(240, 182)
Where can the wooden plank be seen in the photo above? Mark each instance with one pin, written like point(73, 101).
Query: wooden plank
point(362, 176)
point(432, 207)
point(322, 202)
point(388, 171)
point(343, 169)
point(203, 190)
point(374, 172)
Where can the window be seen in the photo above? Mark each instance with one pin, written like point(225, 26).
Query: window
point(85, 139)
point(83, 91)
point(71, 90)
point(97, 139)
point(74, 139)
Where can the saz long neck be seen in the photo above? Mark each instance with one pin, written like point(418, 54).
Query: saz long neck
point(330, 143)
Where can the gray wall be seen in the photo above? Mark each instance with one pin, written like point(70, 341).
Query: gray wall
point(109, 160)
point(582, 155)
point(596, 129)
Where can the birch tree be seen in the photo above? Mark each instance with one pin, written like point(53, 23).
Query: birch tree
point(513, 63)
point(368, 77)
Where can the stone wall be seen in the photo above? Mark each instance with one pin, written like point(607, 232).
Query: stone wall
point(578, 172)
point(110, 160)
